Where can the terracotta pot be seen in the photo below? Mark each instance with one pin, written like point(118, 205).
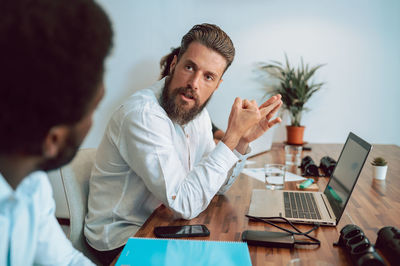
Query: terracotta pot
point(295, 135)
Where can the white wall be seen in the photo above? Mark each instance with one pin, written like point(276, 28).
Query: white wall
point(358, 40)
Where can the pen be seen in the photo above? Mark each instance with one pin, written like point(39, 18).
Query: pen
point(306, 183)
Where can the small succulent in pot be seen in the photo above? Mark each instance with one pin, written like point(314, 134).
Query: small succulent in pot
point(379, 168)
point(379, 161)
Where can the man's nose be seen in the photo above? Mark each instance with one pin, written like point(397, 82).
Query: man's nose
point(195, 80)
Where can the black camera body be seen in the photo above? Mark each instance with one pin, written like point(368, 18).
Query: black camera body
point(308, 167)
point(388, 242)
point(361, 251)
point(327, 164)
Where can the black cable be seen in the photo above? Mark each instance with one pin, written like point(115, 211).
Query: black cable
point(306, 234)
point(265, 220)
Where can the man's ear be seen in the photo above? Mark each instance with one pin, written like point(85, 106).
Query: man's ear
point(54, 141)
point(173, 64)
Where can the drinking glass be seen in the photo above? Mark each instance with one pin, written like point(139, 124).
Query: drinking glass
point(293, 155)
point(275, 176)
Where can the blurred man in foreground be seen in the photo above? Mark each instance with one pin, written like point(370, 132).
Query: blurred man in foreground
point(51, 81)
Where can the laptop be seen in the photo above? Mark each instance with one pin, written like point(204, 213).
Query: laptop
point(324, 208)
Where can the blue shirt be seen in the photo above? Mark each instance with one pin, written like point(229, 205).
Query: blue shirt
point(29, 231)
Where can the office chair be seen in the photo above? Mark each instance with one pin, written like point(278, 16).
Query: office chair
point(71, 187)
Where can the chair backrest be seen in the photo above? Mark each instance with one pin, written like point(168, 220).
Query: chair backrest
point(75, 181)
point(75, 177)
point(62, 211)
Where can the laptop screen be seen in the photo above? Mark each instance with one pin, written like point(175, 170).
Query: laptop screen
point(346, 173)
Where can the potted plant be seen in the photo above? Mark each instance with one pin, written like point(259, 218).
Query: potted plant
point(296, 88)
point(379, 168)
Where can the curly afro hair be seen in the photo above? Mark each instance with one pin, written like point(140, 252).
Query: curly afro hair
point(52, 61)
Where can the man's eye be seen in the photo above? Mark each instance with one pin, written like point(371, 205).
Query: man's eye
point(209, 77)
point(189, 68)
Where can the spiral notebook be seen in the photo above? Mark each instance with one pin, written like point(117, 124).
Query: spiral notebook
point(151, 251)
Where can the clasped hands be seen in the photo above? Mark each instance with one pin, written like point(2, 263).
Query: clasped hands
point(248, 121)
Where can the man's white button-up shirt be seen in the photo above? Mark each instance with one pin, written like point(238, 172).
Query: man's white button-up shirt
point(144, 160)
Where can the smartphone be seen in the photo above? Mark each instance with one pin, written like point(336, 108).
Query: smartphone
point(181, 231)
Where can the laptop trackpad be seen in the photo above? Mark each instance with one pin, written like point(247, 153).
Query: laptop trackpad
point(266, 203)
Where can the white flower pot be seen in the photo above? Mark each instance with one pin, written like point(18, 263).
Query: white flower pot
point(379, 172)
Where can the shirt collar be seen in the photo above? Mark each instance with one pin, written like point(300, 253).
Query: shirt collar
point(25, 188)
point(157, 88)
point(5, 188)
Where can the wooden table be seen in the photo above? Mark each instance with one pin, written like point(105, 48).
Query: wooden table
point(373, 204)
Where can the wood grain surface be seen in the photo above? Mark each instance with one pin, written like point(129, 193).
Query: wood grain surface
point(373, 204)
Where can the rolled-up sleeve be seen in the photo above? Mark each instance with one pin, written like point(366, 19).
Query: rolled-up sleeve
point(235, 170)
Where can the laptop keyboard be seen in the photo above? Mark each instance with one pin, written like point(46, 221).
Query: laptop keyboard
point(300, 205)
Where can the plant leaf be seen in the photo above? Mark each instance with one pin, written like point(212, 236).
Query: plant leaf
point(294, 85)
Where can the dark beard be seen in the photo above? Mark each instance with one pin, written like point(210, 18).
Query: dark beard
point(64, 156)
point(174, 111)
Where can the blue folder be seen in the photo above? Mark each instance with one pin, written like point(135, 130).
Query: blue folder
point(151, 251)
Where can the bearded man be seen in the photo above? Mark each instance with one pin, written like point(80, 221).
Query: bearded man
point(158, 147)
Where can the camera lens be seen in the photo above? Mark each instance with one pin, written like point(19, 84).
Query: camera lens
point(356, 239)
point(370, 259)
point(362, 252)
point(350, 234)
point(308, 167)
point(327, 164)
point(361, 248)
